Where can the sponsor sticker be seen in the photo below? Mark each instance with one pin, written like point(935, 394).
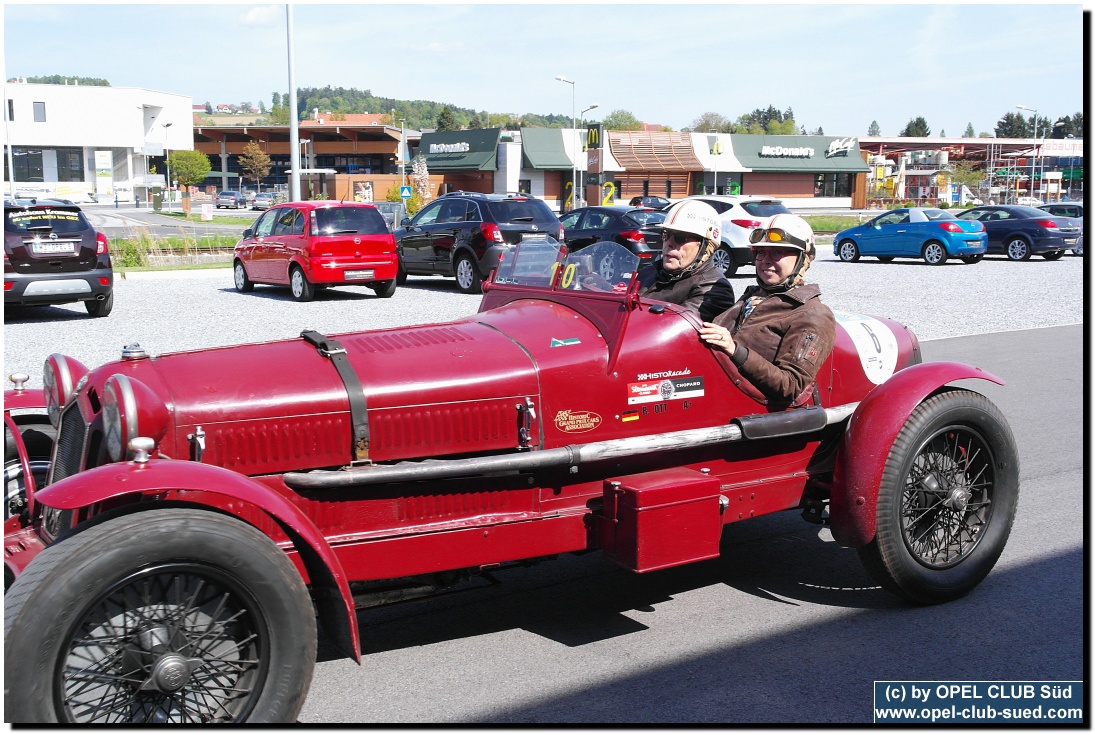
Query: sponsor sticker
point(629, 416)
point(565, 342)
point(576, 422)
point(672, 389)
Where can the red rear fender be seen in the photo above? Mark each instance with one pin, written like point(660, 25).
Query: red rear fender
point(871, 433)
point(227, 491)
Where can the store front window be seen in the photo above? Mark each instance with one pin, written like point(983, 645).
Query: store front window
point(70, 164)
point(833, 185)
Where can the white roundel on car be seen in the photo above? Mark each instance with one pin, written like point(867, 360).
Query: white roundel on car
point(875, 343)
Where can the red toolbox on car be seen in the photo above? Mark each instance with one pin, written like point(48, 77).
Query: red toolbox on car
point(661, 519)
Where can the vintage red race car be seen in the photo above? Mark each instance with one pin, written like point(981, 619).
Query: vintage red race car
point(204, 508)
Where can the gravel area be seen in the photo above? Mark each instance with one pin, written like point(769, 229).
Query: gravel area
point(182, 310)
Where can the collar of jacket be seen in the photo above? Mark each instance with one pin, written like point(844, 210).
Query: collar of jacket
point(801, 293)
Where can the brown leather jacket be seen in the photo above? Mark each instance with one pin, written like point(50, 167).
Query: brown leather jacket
point(782, 342)
point(706, 292)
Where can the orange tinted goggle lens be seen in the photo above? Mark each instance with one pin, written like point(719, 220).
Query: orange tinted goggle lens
point(773, 235)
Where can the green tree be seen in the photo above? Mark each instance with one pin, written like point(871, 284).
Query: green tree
point(189, 168)
point(711, 121)
point(255, 162)
point(1069, 125)
point(621, 120)
point(208, 108)
point(916, 128)
point(969, 131)
point(446, 121)
point(64, 79)
point(874, 130)
point(1012, 125)
point(966, 173)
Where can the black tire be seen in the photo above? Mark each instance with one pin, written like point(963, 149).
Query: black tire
point(848, 251)
point(239, 276)
point(1017, 249)
point(946, 501)
point(885, 258)
point(299, 285)
point(934, 252)
point(100, 308)
point(1053, 255)
point(384, 289)
point(171, 615)
point(971, 259)
point(724, 261)
point(467, 274)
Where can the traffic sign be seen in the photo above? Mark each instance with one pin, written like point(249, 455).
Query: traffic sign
point(404, 192)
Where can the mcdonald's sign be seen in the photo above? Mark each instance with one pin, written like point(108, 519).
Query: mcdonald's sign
point(594, 135)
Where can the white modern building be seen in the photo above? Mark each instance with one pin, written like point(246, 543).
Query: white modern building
point(82, 142)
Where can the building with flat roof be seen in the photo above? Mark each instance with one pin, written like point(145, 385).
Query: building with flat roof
point(85, 143)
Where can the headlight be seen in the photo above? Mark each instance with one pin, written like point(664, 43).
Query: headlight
point(60, 376)
point(130, 410)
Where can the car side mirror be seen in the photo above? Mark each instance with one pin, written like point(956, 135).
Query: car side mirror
point(247, 234)
point(405, 222)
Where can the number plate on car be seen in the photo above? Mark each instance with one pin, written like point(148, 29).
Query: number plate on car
point(53, 247)
point(1070, 241)
point(359, 275)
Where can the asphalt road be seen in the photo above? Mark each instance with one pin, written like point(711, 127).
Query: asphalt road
point(786, 627)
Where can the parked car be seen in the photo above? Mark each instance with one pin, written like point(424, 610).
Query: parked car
point(1075, 210)
point(1019, 232)
point(53, 255)
point(204, 507)
point(652, 202)
point(1028, 202)
point(263, 200)
point(231, 199)
point(914, 232)
point(740, 214)
point(636, 228)
point(316, 244)
point(393, 213)
point(464, 234)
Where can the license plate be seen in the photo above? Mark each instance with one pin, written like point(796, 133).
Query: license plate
point(53, 247)
point(359, 275)
point(1070, 241)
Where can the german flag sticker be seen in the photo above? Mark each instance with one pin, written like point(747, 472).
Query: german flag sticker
point(629, 416)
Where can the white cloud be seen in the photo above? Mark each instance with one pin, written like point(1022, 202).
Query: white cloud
point(263, 16)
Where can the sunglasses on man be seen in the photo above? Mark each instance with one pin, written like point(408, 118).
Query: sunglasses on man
point(681, 238)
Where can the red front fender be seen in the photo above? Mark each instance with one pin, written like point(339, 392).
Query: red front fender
point(871, 433)
point(234, 493)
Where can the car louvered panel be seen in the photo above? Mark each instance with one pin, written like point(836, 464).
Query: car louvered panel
point(70, 444)
point(387, 342)
point(417, 431)
point(442, 507)
point(256, 447)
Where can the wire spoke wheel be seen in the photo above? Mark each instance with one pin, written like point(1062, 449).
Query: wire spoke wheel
point(172, 644)
point(947, 500)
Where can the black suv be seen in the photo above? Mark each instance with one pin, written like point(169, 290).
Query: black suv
point(464, 234)
point(52, 255)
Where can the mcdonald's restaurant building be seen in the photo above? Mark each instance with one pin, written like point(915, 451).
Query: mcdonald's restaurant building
point(465, 160)
point(803, 170)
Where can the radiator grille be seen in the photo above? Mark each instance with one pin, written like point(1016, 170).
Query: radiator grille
point(69, 453)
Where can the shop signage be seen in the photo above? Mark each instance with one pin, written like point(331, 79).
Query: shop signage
point(840, 147)
point(449, 147)
point(778, 151)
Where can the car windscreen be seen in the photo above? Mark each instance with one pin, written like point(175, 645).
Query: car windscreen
point(764, 209)
point(646, 217)
point(59, 221)
point(521, 210)
point(349, 221)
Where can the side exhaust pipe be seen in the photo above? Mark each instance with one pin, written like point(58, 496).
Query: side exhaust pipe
point(758, 426)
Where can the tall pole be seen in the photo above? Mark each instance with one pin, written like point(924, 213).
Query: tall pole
point(402, 154)
point(294, 131)
point(7, 145)
point(1034, 150)
point(574, 126)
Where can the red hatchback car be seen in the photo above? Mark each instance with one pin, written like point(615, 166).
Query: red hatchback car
point(310, 245)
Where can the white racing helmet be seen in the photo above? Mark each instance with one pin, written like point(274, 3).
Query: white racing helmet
point(695, 217)
point(787, 231)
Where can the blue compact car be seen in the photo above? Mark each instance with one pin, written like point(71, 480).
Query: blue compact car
point(915, 232)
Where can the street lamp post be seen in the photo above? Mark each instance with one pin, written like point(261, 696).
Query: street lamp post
point(574, 161)
point(1034, 154)
point(167, 166)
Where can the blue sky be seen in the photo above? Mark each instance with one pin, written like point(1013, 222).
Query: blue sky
point(837, 66)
